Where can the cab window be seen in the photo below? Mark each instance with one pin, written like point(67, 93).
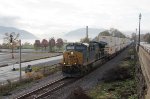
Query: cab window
point(70, 48)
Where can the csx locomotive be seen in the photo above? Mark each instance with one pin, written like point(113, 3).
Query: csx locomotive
point(79, 57)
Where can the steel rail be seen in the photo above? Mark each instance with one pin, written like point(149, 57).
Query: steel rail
point(40, 88)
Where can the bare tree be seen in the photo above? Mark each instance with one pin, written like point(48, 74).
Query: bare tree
point(117, 33)
point(147, 37)
point(85, 40)
point(11, 39)
point(105, 33)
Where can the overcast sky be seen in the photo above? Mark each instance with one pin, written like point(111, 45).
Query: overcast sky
point(42, 17)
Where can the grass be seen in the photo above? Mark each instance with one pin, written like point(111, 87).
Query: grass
point(5, 90)
point(44, 69)
point(115, 90)
point(117, 83)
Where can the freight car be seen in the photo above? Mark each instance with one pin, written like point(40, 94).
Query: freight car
point(79, 57)
point(114, 44)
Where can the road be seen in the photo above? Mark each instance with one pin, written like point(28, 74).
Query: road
point(7, 73)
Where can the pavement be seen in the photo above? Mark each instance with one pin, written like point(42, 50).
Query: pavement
point(5, 58)
point(7, 73)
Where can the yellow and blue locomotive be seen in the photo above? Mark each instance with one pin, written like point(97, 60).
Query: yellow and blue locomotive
point(79, 57)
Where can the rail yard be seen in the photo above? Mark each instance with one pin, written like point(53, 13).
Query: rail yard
point(81, 67)
point(58, 88)
point(78, 61)
point(74, 49)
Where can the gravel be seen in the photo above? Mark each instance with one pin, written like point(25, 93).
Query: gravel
point(34, 85)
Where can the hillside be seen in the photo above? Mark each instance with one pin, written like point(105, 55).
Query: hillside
point(77, 34)
point(23, 34)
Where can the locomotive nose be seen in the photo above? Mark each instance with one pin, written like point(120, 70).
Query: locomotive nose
point(70, 58)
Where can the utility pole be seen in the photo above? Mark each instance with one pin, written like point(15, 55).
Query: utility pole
point(87, 36)
point(11, 42)
point(20, 60)
point(135, 36)
point(139, 30)
point(49, 45)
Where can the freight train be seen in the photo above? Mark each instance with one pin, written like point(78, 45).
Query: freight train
point(78, 58)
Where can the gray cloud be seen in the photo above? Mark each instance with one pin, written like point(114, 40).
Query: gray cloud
point(43, 17)
point(9, 21)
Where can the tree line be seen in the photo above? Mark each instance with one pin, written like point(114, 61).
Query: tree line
point(111, 32)
point(143, 37)
point(146, 37)
point(11, 41)
point(52, 43)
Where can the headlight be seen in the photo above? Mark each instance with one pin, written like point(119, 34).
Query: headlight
point(71, 53)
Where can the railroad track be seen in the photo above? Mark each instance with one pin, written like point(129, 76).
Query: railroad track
point(47, 89)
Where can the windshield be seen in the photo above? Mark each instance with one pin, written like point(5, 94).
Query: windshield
point(70, 48)
point(80, 47)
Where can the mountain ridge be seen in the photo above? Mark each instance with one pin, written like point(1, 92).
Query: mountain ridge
point(76, 35)
point(23, 34)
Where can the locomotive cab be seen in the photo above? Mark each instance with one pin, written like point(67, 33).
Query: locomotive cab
point(73, 58)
